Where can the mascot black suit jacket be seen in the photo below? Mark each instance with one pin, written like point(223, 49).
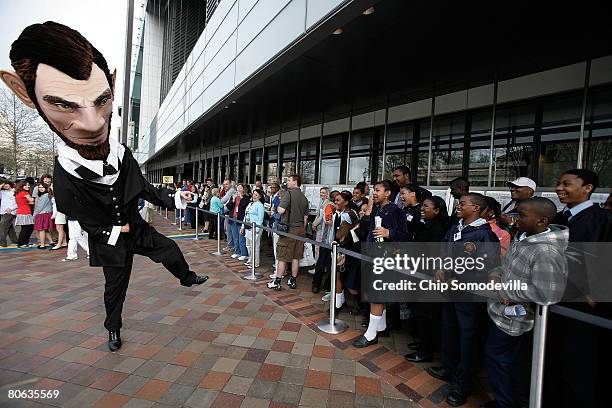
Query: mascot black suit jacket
point(99, 207)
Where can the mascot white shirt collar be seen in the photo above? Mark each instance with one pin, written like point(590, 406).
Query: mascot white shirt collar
point(70, 160)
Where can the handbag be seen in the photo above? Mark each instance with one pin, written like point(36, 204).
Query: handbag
point(279, 226)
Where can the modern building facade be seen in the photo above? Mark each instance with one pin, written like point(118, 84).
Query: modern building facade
point(343, 91)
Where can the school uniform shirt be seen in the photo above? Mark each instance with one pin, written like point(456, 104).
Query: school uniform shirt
point(431, 231)
point(467, 241)
point(413, 219)
point(356, 206)
point(343, 222)
point(587, 223)
point(393, 219)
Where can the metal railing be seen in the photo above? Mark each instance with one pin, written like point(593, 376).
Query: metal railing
point(332, 325)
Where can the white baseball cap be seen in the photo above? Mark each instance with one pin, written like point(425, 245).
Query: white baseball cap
point(522, 182)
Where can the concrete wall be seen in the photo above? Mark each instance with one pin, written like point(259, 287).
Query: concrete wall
point(240, 38)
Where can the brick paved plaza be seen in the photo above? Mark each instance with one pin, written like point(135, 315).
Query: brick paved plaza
point(227, 343)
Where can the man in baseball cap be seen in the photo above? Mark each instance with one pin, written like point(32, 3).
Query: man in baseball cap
point(522, 182)
point(520, 189)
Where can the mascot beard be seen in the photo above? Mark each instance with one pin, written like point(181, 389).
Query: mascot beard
point(89, 152)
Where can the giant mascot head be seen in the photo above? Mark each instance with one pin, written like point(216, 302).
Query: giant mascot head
point(63, 76)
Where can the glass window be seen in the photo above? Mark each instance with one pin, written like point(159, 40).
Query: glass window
point(233, 168)
point(308, 171)
point(330, 160)
point(447, 149)
point(559, 138)
point(223, 167)
point(513, 153)
point(288, 160)
point(423, 151)
point(308, 160)
point(271, 164)
point(330, 171)
point(398, 147)
point(244, 166)
point(480, 148)
point(256, 167)
point(365, 151)
point(209, 173)
point(331, 145)
point(598, 135)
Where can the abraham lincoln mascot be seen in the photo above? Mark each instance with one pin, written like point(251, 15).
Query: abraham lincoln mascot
point(97, 180)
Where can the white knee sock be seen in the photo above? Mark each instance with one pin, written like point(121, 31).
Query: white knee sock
point(382, 324)
point(339, 299)
point(370, 334)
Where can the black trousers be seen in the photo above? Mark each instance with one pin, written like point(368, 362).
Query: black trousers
point(7, 228)
point(322, 266)
point(501, 357)
point(164, 250)
point(573, 358)
point(24, 234)
point(427, 316)
point(212, 226)
point(460, 327)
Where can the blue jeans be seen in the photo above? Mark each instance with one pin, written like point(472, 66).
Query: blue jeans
point(242, 248)
point(229, 232)
point(187, 214)
point(235, 229)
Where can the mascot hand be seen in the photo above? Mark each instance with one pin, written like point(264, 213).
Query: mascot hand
point(187, 196)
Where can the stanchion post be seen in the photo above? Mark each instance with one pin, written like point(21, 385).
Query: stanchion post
point(537, 359)
point(253, 275)
point(218, 236)
point(332, 325)
point(197, 210)
point(166, 213)
point(180, 220)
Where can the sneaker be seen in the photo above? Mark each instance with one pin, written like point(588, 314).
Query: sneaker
point(235, 256)
point(67, 259)
point(311, 271)
point(242, 258)
point(292, 283)
point(326, 297)
point(55, 248)
point(274, 284)
point(247, 263)
point(273, 275)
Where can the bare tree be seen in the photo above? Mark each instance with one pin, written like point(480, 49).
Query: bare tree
point(24, 137)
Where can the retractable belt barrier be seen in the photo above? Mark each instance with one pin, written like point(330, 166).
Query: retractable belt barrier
point(332, 325)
